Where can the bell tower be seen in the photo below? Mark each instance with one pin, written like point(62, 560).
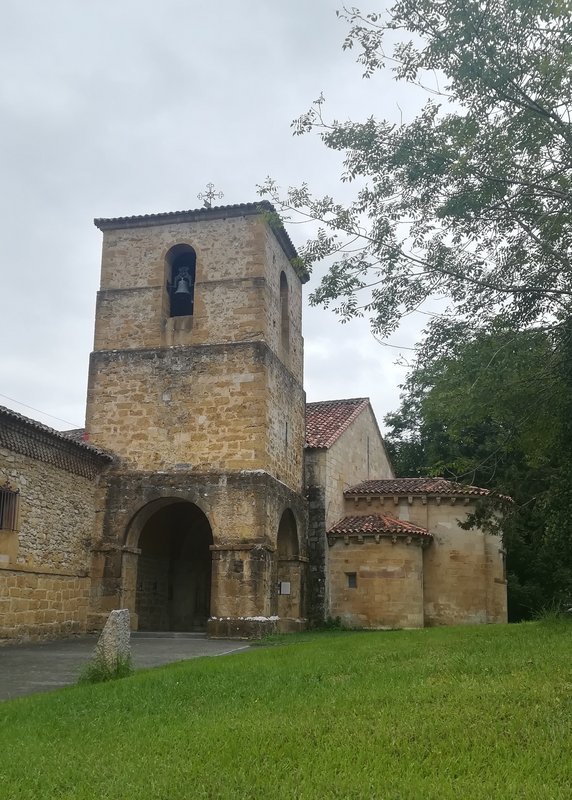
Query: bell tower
point(195, 384)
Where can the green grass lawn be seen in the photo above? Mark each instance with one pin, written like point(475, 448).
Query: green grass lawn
point(481, 712)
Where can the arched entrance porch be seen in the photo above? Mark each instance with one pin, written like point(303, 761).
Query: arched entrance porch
point(173, 582)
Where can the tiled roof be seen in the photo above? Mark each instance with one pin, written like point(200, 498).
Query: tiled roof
point(328, 419)
point(23, 435)
point(200, 214)
point(76, 434)
point(32, 424)
point(409, 486)
point(376, 523)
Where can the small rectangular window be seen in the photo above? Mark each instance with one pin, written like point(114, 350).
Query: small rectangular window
point(352, 580)
point(8, 510)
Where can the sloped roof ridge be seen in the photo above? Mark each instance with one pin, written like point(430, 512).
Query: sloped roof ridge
point(62, 436)
point(77, 434)
point(203, 211)
point(323, 433)
point(420, 485)
point(341, 400)
point(376, 523)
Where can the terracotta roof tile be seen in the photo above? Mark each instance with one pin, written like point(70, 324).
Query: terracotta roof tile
point(409, 486)
point(31, 439)
point(199, 214)
point(376, 523)
point(64, 436)
point(328, 419)
point(76, 434)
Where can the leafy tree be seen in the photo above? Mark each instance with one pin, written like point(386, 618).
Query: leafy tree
point(494, 409)
point(472, 199)
point(556, 506)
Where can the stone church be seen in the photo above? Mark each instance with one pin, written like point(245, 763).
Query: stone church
point(204, 493)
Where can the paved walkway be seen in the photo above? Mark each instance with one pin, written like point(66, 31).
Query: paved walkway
point(42, 667)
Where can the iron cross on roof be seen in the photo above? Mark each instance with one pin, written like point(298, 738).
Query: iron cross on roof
point(209, 195)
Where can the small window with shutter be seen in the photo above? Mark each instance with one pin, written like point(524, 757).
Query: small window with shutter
point(8, 509)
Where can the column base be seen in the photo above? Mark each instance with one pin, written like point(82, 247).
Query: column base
point(252, 627)
point(241, 627)
point(291, 625)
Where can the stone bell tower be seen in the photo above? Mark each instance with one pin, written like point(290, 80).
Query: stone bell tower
point(195, 384)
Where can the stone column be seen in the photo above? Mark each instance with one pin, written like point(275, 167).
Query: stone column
point(105, 575)
point(241, 592)
point(130, 562)
point(291, 607)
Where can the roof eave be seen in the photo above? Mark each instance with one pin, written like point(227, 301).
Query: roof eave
point(457, 496)
point(386, 532)
point(37, 429)
point(216, 212)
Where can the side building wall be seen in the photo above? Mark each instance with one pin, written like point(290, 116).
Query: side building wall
point(358, 454)
point(44, 562)
point(464, 580)
point(387, 586)
point(463, 570)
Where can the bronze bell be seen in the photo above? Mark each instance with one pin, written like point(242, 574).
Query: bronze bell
point(182, 285)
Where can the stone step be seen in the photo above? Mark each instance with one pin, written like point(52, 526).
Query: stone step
point(168, 635)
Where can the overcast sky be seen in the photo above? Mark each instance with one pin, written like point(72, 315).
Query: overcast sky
point(132, 106)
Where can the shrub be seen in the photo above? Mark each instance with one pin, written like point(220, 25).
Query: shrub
point(98, 671)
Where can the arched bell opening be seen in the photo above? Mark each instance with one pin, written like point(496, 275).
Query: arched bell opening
point(289, 569)
point(173, 588)
point(181, 263)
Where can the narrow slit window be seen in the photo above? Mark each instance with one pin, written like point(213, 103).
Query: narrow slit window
point(8, 509)
point(352, 580)
point(284, 313)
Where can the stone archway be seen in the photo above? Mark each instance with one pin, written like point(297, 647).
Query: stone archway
point(289, 569)
point(173, 581)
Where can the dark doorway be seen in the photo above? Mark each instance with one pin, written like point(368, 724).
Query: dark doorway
point(290, 599)
point(174, 570)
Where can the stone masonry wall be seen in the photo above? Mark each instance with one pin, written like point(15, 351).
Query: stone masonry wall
point(187, 408)
point(285, 426)
point(237, 287)
point(243, 511)
point(56, 514)
point(222, 407)
point(463, 573)
point(44, 582)
point(134, 262)
point(217, 390)
point(389, 583)
point(317, 552)
point(358, 454)
point(41, 605)
point(293, 355)
point(497, 583)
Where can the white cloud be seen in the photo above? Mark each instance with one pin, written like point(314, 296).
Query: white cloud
point(132, 107)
